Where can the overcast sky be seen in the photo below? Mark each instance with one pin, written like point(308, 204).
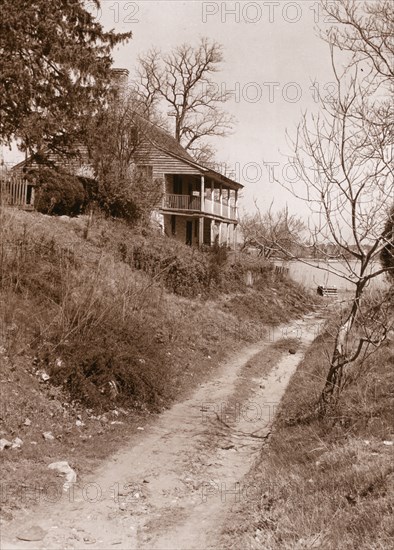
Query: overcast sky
point(272, 54)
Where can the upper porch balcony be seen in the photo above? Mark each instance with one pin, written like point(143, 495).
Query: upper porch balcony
point(188, 203)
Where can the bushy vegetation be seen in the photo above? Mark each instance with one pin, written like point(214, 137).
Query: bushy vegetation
point(85, 331)
point(190, 272)
point(60, 193)
point(57, 192)
point(116, 200)
point(102, 324)
point(131, 199)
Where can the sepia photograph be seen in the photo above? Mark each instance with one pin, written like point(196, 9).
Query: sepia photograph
point(197, 275)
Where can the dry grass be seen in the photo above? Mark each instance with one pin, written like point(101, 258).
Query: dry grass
point(72, 305)
point(251, 376)
point(327, 483)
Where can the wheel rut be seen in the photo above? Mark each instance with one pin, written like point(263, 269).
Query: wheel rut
point(175, 482)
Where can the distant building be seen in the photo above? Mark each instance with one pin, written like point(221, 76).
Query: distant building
point(200, 205)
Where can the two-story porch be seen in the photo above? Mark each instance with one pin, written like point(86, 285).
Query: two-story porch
point(200, 209)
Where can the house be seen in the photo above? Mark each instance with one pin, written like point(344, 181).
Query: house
point(199, 205)
point(18, 191)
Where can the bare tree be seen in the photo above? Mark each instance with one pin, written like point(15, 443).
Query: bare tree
point(181, 82)
point(387, 255)
point(273, 233)
point(364, 30)
point(117, 134)
point(344, 157)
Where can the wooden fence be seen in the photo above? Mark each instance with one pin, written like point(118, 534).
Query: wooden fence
point(282, 271)
point(327, 290)
point(16, 191)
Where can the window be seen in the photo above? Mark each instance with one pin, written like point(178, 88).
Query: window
point(146, 171)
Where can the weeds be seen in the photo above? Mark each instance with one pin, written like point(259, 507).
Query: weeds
point(188, 272)
point(333, 477)
point(73, 299)
point(79, 321)
point(114, 318)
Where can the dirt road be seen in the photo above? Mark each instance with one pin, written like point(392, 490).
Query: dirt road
point(171, 487)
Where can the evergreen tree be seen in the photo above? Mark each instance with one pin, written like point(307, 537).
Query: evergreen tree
point(55, 61)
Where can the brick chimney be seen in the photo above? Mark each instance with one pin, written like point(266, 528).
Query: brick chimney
point(120, 78)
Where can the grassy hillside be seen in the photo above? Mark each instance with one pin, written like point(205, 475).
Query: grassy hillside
point(102, 326)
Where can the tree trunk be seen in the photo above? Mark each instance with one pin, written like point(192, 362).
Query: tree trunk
point(341, 355)
point(332, 386)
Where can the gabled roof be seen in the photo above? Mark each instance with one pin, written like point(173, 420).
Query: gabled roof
point(164, 141)
point(54, 157)
point(167, 143)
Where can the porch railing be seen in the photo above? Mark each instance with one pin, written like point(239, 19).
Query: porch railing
point(182, 202)
point(225, 210)
point(187, 202)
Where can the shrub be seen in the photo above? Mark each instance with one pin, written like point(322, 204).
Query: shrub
point(217, 262)
point(147, 194)
point(116, 200)
point(181, 269)
point(119, 362)
point(132, 198)
point(58, 193)
point(188, 272)
point(90, 329)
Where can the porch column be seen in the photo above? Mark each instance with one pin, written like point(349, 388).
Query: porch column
point(25, 193)
point(220, 232)
point(228, 235)
point(236, 204)
point(221, 203)
point(212, 196)
point(200, 231)
point(202, 209)
point(212, 232)
point(235, 237)
point(163, 189)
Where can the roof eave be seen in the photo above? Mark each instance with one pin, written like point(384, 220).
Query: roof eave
point(220, 178)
